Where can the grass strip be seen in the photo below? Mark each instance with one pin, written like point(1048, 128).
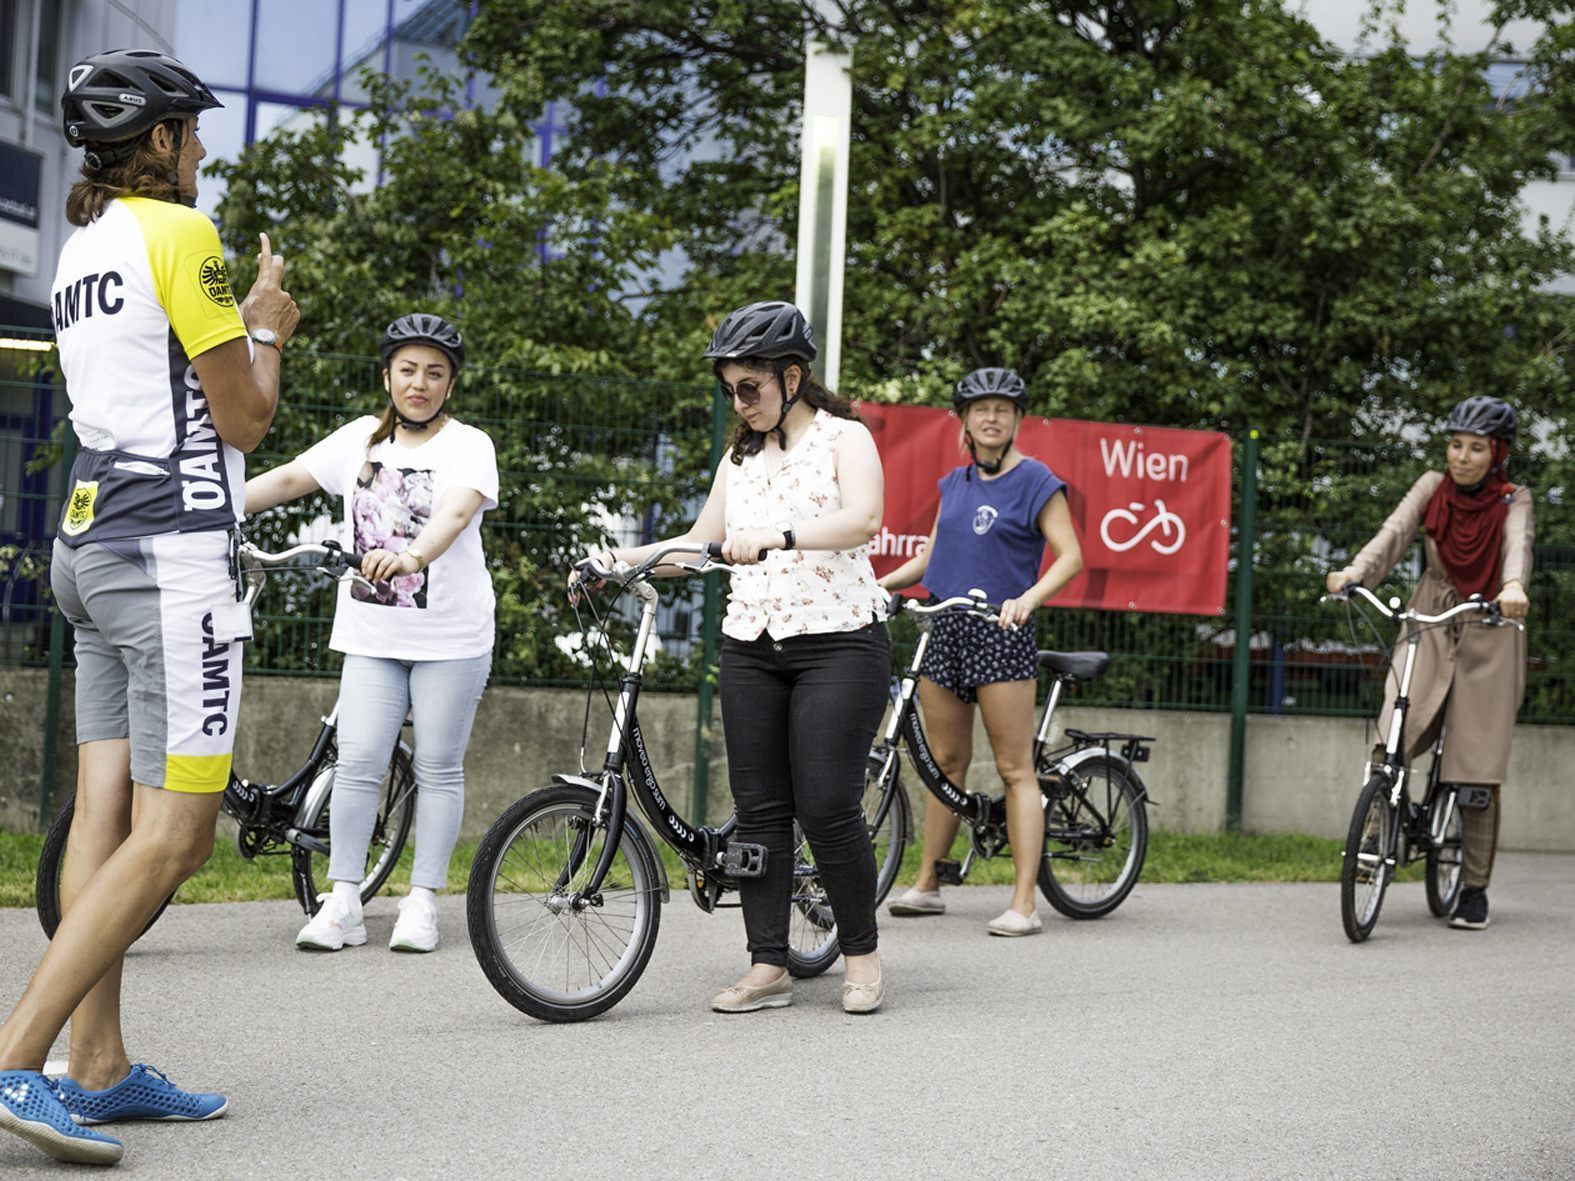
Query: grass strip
point(1172, 857)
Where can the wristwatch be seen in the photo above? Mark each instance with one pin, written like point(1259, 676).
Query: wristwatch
point(421, 558)
point(266, 336)
point(786, 529)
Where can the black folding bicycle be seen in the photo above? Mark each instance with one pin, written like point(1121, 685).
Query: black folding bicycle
point(1388, 829)
point(1096, 804)
point(566, 888)
point(290, 817)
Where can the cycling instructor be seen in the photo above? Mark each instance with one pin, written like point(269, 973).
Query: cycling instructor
point(1470, 676)
point(166, 392)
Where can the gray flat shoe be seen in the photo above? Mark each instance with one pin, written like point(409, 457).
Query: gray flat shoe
point(915, 902)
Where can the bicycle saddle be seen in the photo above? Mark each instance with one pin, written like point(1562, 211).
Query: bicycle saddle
point(1083, 665)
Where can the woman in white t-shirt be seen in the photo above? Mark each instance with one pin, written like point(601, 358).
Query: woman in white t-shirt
point(415, 482)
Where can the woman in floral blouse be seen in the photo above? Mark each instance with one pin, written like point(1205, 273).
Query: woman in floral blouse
point(805, 660)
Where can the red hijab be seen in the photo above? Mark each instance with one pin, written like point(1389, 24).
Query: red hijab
point(1468, 526)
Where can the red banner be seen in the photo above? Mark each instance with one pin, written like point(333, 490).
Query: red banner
point(1151, 505)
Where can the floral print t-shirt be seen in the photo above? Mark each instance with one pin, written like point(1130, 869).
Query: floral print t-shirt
point(444, 612)
point(797, 592)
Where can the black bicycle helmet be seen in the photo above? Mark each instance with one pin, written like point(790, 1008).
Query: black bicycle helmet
point(423, 328)
point(771, 331)
point(113, 98)
point(991, 383)
point(1483, 415)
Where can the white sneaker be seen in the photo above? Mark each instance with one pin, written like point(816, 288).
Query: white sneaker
point(336, 924)
point(416, 929)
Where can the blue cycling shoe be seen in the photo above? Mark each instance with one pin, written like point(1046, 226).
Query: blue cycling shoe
point(30, 1106)
point(143, 1094)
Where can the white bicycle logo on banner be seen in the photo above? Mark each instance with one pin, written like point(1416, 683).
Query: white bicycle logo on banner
point(1163, 519)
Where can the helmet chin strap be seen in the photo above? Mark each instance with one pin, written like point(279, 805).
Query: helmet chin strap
point(418, 424)
point(989, 466)
point(787, 404)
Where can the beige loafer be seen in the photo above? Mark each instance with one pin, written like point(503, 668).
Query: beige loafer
point(1011, 924)
point(864, 998)
point(747, 998)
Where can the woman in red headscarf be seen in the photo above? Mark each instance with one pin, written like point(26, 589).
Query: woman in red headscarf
point(1478, 530)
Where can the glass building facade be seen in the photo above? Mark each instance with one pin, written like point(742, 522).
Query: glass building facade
point(276, 62)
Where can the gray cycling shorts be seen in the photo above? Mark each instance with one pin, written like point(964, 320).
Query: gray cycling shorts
point(148, 666)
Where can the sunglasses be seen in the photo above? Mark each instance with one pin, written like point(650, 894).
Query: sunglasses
point(747, 392)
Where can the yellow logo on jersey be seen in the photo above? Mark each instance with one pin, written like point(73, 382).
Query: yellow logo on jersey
point(215, 281)
point(79, 509)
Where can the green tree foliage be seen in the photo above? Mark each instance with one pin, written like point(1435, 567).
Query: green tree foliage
point(1189, 212)
point(1193, 213)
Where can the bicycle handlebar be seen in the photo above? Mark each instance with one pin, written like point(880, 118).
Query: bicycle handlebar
point(331, 549)
point(1491, 610)
point(968, 604)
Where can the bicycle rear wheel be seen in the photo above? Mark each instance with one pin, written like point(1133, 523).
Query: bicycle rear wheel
point(1096, 836)
point(1368, 866)
point(1444, 858)
point(396, 807)
point(51, 860)
point(812, 928)
point(548, 951)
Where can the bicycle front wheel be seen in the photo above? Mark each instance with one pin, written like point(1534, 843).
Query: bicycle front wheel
point(51, 861)
point(549, 950)
point(396, 806)
point(1444, 859)
point(1367, 869)
point(1096, 836)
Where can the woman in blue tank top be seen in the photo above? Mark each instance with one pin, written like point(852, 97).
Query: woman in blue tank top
point(995, 517)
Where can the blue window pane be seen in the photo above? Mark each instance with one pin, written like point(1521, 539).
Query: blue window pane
point(295, 46)
point(223, 132)
point(365, 29)
point(273, 116)
point(213, 37)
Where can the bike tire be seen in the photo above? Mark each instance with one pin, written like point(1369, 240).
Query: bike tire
point(813, 945)
point(1445, 863)
point(521, 929)
point(1365, 871)
point(51, 860)
point(1096, 837)
point(396, 807)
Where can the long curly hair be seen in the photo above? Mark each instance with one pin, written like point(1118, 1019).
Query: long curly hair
point(146, 173)
point(746, 441)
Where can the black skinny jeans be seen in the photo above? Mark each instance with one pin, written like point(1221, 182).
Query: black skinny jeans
point(800, 715)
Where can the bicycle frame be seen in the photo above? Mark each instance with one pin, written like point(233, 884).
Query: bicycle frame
point(627, 768)
point(1396, 766)
point(976, 808)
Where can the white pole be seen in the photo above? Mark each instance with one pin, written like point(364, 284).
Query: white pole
point(823, 200)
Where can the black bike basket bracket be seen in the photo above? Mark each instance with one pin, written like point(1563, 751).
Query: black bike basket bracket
point(1474, 797)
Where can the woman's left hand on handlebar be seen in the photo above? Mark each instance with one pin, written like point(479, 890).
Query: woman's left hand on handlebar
point(382, 565)
point(1017, 612)
point(1512, 601)
point(743, 549)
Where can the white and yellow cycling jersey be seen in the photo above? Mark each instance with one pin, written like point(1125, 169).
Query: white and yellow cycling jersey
point(138, 293)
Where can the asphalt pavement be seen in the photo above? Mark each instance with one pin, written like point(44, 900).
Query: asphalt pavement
point(1219, 1031)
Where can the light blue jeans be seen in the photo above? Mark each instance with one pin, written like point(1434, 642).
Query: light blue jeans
point(374, 695)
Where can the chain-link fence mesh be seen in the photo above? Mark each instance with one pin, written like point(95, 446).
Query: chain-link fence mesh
point(583, 459)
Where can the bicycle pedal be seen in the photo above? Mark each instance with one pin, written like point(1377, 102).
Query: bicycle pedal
point(949, 873)
point(743, 860)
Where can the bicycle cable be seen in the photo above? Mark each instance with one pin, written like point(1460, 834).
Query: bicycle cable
point(592, 635)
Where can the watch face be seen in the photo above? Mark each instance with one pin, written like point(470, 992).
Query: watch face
point(264, 335)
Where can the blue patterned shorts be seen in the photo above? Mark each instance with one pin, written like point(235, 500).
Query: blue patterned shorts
point(966, 652)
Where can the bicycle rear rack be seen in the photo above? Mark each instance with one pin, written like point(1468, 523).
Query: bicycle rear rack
point(1134, 747)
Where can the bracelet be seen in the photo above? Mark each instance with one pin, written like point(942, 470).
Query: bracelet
point(421, 558)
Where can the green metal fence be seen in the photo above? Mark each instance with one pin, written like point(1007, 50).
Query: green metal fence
point(585, 458)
